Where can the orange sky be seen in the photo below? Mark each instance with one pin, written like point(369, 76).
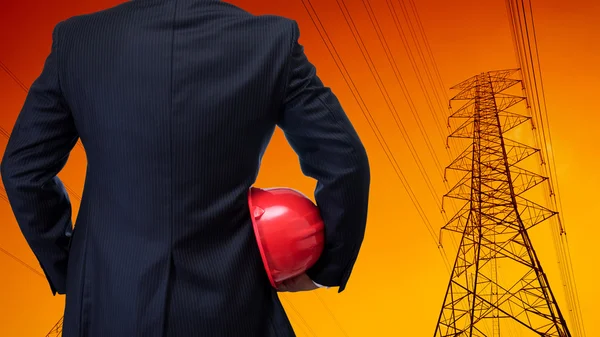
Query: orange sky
point(399, 281)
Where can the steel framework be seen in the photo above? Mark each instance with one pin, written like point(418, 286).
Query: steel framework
point(494, 222)
point(56, 330)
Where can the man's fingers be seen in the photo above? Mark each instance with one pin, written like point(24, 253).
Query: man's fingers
point(282, 287)
point(295, 284)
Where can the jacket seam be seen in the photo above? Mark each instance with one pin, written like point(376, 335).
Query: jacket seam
point(287, 70)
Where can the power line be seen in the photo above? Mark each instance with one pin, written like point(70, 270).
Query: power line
point(14, 77)
point(332, 315)
point(25, 89)
point(389, 102)
point(419, 30)
point(524, 55)
point(534, 93)
point(302, 320)
point(384, 92)
point(429, 51)
point(392, 61)
point(23, 263)
point(418, 48)
point(370, 120)
point(550, 156)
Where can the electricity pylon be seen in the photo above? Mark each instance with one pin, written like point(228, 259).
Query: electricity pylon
point(494, 222)
point(56, 330)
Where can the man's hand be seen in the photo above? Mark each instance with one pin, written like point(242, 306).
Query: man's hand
point(299, 283)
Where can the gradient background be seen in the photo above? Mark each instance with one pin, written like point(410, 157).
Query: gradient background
point(399, 280)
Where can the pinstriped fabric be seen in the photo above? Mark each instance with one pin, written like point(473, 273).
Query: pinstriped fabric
point(175, 102)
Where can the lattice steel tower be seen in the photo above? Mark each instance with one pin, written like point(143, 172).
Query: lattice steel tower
point(494, 222)
point(56, 330)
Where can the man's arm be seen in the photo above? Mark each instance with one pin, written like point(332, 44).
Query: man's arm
point(331, 152)
point(38, 148)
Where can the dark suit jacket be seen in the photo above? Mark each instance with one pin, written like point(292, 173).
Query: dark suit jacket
point(175, 102)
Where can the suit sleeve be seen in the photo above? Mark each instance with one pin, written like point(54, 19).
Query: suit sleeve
point(331, 152)
point(38, 148)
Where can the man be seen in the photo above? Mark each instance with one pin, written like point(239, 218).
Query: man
point(175, 102)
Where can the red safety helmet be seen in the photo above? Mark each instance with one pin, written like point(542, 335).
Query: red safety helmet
point(288, 229)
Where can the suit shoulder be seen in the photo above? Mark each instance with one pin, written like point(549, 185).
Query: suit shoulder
point(277, 27)
point(266, 27)
point(270, 20)
point(77, 22)
point(282, 22)
point(265, 18)
point(276, 19)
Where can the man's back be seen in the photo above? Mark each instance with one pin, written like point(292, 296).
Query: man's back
point(175, 102)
